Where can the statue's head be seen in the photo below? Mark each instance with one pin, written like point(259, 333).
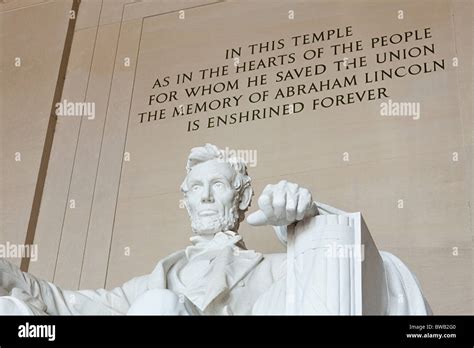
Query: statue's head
point(217, 190)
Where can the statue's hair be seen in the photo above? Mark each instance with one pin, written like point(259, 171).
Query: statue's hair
point(211, 152)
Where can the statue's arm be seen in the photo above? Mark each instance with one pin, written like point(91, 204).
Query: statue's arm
point(327, 244)
point(63, 302)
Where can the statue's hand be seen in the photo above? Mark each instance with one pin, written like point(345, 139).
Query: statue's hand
point(282, 205)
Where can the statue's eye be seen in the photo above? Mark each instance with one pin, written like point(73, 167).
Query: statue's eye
point(195, 187)
point(218, 185)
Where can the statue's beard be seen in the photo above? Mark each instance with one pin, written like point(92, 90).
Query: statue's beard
point(215, 223)
point(228, 220)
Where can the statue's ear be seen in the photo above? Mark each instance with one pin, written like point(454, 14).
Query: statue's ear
point(245, 198)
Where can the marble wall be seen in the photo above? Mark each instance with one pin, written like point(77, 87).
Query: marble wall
point(32, 42)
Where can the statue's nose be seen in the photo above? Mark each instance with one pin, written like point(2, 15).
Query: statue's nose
point(207, 196)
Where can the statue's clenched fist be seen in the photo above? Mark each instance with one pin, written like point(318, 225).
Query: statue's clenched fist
point(283, 204)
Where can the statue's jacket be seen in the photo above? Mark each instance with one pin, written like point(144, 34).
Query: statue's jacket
point(217, 276)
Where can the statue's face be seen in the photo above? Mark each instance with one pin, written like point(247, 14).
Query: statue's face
point(211, 200)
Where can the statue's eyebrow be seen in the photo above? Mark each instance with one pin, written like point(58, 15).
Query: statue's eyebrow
point(194, 181)
point(219, 177)
point(214, 178)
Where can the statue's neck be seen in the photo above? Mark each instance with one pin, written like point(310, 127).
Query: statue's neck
point(204, 239)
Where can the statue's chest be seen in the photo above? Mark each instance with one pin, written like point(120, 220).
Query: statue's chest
point(194, 272)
